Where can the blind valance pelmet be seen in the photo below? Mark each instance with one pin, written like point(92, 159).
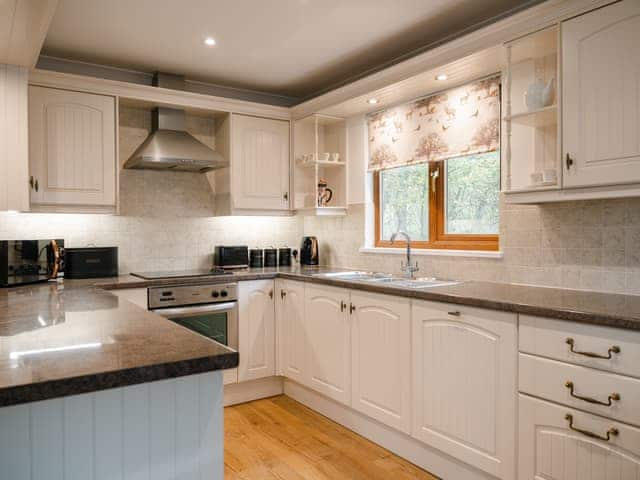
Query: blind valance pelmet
point(460, 121)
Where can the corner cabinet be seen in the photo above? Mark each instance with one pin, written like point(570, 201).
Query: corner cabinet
point(328, 333)
point(259, 163)
point(72, 150)
point(464, 384)
point(601, 91)
point(256, 330)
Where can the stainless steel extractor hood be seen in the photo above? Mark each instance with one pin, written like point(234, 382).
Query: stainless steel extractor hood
point(170, 146)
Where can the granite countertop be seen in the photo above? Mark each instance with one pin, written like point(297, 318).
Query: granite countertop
point(609, 309)
point(64, 338)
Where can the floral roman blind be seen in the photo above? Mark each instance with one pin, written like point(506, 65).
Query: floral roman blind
point(457, 122)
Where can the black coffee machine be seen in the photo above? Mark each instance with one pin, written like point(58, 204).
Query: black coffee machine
point(309, 254)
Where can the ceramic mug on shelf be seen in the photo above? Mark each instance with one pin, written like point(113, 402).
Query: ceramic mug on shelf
point(335, 157)
point(536, 178)
point(550, 175)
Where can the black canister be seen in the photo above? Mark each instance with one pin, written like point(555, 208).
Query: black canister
point(284, 257)
point(270, 257)
point(255, 258)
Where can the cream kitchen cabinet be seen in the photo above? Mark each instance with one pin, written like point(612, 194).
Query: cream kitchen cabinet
point(601, 111)
point(256, 330)
point(292, 338)
point(72, 149)
point(328, 330)
point(259, 163)
point(559, 443)
point(381, 358)
point(464, 383)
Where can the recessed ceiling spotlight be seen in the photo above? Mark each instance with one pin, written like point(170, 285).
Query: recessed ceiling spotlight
point(372, 101)
point(442, 77)
point(210, 41)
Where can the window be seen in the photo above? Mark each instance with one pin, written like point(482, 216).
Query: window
point(450, 205)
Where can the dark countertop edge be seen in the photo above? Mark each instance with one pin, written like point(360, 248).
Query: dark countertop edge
point(94, 382)
point(585, 317)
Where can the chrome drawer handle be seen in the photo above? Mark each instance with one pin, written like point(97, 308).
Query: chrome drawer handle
point(611, 432)
point(613, 397)
point(612, 349)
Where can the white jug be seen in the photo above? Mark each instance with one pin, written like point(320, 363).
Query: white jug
point(539, 95)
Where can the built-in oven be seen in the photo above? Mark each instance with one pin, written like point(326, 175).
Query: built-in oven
point(210, 310)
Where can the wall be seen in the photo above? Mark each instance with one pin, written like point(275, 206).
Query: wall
point(593, 245)
point(165, 220)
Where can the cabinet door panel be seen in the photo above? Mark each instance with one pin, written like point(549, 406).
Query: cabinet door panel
point(549, 450)
point(601, 95)
point(260, 163)
point(329, 342)
point(464, 383)
point(381, 360)
point(292, 336)
point(72, 147)
point(256, 330)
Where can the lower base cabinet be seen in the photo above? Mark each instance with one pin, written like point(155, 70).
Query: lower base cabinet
point(292, 338)
point(561, 443)
point(328, 331)
point(256, 330)
point(381, 358)
point(464, 384)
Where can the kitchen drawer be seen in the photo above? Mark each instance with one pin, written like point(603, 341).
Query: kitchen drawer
point(548, 379)
point(552, 448)
point(548, 338)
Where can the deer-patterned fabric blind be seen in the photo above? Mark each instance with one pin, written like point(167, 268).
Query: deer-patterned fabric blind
point(460, 121)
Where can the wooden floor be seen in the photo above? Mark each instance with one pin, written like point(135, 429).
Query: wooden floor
point(278, 438)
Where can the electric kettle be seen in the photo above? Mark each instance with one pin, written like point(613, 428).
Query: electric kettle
point(309, 254)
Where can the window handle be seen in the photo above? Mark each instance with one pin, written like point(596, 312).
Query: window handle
point(434, 178)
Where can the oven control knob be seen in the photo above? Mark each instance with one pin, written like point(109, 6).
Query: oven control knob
point(215, 294)
point(224, 293)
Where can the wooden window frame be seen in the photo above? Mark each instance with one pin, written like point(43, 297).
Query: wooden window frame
point(438, 238)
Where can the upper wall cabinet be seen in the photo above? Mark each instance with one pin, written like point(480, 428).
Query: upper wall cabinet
point(14, 153)
point(594, 151)
point(601, 91)
point(259, 163)
point(72, 150)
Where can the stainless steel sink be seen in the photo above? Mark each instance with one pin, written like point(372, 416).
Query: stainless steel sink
point(355, 276)
point(428, 282)
point(387, 279)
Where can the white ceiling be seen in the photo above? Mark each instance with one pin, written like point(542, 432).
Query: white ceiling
point(296, 48)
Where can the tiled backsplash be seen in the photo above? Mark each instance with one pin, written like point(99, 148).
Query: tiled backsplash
point(592, 245)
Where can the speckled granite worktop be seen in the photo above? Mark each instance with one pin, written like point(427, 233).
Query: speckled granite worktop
point(609, 309)
point(117, 343)
point(65, 338)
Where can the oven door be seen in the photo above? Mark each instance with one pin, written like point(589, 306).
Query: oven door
point(218, 321)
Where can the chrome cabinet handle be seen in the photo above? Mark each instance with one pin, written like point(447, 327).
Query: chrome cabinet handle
point(568, 161)
point(611, 432)
point(455, 313)
point(612, 349)
point(613, 397)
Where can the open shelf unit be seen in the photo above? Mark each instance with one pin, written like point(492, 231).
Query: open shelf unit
point(314, 137)
point(532, 146)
